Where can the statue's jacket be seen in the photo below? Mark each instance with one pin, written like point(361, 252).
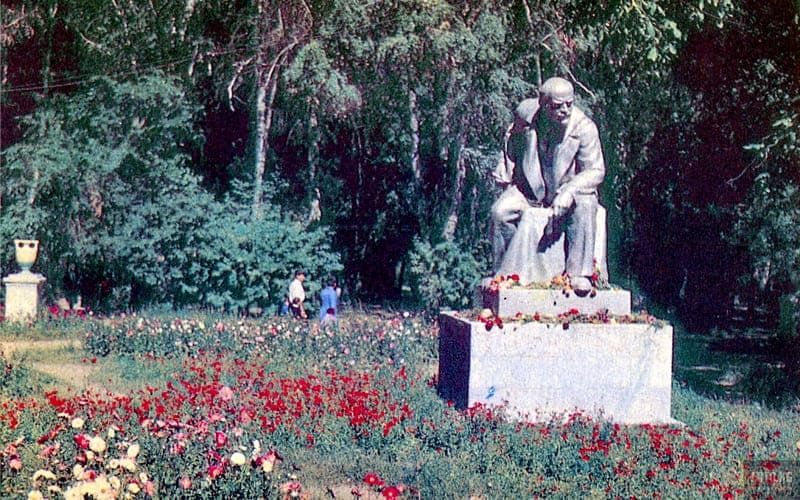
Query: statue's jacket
point(574, 165)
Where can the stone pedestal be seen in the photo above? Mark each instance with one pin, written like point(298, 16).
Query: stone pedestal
point(22, 295)
point(507, 302)
point(619, 372)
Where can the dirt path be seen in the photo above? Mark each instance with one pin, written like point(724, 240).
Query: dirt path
point(8, 348)
point(69, 373)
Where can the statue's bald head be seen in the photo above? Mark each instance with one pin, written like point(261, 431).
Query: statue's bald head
point(556, 96)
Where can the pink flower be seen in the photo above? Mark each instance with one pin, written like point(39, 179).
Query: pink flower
point(185, 483)
point(226, 393)
point(15, 464)
point(214, 471)
point(291, 488)
point(220, 439)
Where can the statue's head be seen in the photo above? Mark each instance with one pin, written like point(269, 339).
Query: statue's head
point(556, 97)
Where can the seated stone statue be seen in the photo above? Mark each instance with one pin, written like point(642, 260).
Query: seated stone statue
point(551, 169)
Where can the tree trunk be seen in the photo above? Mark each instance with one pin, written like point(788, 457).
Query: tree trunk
point(414, 126)
point(449, 230)
point(265, 98)
point(312, 155)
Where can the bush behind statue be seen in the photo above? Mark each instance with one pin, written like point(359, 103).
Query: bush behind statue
point(443, 275)
point(244, 262)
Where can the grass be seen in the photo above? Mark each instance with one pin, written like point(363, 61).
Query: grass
point(293, 383)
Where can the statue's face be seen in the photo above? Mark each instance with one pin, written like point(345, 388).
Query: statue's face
point(559, 108)
point(557, 96)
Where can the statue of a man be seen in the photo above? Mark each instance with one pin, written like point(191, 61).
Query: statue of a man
point(552, 158)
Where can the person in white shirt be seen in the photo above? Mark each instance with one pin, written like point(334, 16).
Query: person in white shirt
point(297, 295)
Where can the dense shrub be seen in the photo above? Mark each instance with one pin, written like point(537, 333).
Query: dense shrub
point(444, 275)
point(245, 262)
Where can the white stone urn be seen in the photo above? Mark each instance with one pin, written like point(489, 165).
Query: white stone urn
point(26, 251)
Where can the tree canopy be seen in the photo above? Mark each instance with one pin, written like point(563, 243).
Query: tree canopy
point(377, 124)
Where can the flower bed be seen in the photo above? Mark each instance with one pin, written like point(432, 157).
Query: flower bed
point(278, 409)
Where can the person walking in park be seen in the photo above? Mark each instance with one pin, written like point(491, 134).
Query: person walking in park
point(329, 296)
point(297, 295)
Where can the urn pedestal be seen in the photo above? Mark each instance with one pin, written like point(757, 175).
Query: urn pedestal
point(23, 288)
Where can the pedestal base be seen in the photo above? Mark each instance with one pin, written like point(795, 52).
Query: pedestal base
point(22, 295)
point(619, 372)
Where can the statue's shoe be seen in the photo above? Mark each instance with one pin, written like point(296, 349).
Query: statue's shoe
point(581, 285)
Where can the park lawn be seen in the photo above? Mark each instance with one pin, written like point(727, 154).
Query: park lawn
point(197, 405)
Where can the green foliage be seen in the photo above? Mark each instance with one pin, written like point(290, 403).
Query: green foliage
point(444, 275)
point(16, 379)
point(248, 262)
point(381, 106)
point(769, 225)
point(101, 181)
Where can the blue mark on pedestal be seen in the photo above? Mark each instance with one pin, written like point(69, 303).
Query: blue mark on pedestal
point(491, 392)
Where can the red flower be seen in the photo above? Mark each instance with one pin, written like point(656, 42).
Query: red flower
point(372, 479)
point(214, 471)
point(489, 324)
point(514, 277)
point(390, 492)
point(220, 439)
point(82, 441)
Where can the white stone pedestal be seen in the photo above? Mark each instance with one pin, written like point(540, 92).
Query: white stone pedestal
point(22, 295)
point(507, 302)
point(619, 372)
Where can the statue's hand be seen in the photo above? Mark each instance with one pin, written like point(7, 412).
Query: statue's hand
point(562, 204)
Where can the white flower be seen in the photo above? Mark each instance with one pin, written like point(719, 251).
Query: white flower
point(77, 471)
point(133, 451)
point(97, 444)
point(35, 495)
point(77, 423)
point(127, 464)
point(134, 488)
point(115, 482)
point(238, 459)
point(43, 474)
